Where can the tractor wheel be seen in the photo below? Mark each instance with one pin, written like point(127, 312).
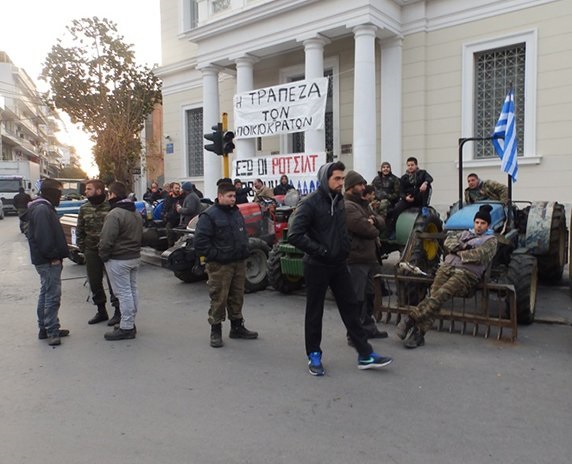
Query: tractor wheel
point(281, 282)
point(551, 265)
point(422, 253)
point(256, 268)
point(189, 276)
point(523, 274)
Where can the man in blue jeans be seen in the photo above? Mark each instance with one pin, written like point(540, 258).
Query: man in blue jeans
point(48, 248)
point(319, 229)
point(120, 250)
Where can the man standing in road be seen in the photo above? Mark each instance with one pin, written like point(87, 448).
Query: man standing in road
point(21, 200)
point(221, 238)
point(319, 229)
point(89, 224)
point(120, 250)
point(48, 248)
point(364, 229)
point(470, 253)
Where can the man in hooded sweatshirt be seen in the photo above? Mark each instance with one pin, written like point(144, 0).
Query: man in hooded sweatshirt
point(319, 229)
point(48, 248)
point(89, 224)
point(120, 250)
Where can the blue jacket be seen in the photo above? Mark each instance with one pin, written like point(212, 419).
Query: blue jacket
point(45, 234)
point(220, 235)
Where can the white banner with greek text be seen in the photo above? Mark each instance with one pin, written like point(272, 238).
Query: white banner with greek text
point(301, 169)
point(294, 107)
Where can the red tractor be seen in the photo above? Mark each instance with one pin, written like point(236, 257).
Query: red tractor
point(265, 222)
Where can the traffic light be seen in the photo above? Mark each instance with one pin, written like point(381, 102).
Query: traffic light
point(227, 144)
point(216, 138)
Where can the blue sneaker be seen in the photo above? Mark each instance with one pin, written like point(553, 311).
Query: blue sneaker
point(373, 361)
point(315, 363)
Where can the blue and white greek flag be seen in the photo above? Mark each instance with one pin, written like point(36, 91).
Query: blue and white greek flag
point(505, 142)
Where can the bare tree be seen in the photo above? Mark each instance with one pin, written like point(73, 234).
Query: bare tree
point(93, 77)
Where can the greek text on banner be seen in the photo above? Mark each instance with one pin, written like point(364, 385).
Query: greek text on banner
point(294, 107)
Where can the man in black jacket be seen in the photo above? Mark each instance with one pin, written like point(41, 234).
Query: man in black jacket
point(414, 190)
point(319, 229)
point(48, 248)
point(21, 200)
point(221, 238)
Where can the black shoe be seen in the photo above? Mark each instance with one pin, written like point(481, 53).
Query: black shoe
point(378, 334)
point(99, 317)
point(54, 341)
point(116, 319)
point(121, 334)
point(404, 327)
point(373, 361)
point(43, 334)
point(216, 335)
point(415, 337)
point(237, 330)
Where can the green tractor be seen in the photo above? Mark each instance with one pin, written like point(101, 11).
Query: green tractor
point(414, 238)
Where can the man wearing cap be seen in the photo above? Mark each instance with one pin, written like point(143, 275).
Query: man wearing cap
point(470, 253)
point(364, 229)
point(191, 206)
point(48, 248)
point(319, 229)
point(386, 185)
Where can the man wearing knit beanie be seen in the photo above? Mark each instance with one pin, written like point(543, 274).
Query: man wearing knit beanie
point(470, 253)
point(48, 248)
point(364, 228)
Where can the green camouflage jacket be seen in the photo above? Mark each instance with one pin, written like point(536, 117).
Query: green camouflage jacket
point(89, 225)
point(470, 251)
point(487, 190)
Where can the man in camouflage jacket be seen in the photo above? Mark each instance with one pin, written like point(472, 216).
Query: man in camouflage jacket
point(89, 224)
point(469, 254)
point(483, 190)
point(386, 185)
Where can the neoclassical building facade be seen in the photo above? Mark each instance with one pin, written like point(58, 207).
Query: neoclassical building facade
point(406, 78)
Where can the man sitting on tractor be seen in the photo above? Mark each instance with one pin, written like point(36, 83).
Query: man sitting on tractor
point(414, 190)
point(483, 190)
point(470, 253)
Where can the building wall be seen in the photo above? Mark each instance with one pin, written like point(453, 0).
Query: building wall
point(432, 101)
point(432, 83)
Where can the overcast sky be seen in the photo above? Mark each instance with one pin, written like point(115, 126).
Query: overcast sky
point(29, 28)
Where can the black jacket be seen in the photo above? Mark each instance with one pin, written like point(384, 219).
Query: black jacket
point(319, 226)
point(409, 184)
point(242, 195)
point(282, 189)
point(45, 234)
point(220, 235)
point(21, 200)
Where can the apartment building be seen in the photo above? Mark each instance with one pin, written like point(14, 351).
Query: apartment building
point(406, 78)
point(28, 142)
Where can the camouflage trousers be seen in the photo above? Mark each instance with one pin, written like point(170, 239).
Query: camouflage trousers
point(226, 290)
point(449, 282)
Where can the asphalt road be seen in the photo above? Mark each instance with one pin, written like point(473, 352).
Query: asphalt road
point(167, 397)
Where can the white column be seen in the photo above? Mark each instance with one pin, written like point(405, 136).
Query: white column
point(211, 116)
point(391, 104)
point(245, 148)
point(365, 126)
point(314, 140)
